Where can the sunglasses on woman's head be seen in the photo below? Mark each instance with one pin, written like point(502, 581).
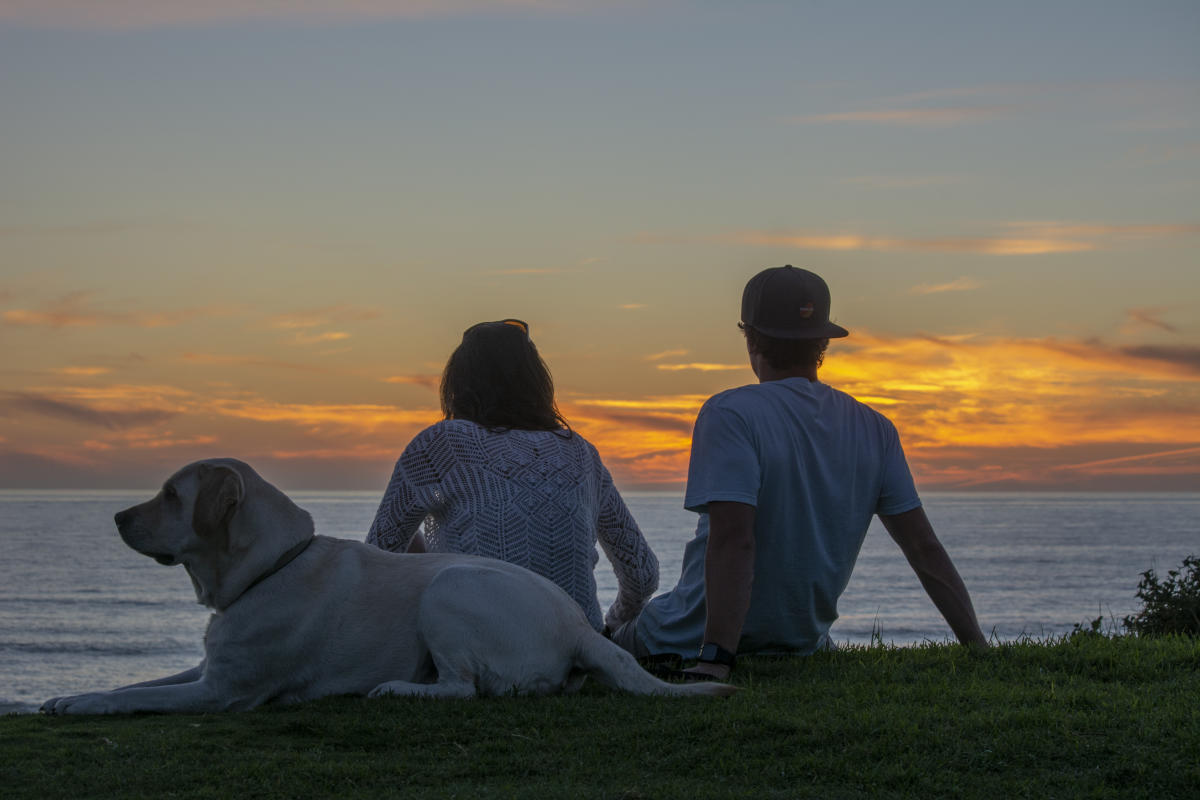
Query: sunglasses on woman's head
point(520, 325)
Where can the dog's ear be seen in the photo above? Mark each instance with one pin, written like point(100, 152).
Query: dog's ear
point(219, 494)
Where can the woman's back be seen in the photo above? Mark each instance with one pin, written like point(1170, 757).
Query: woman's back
point(539, 499)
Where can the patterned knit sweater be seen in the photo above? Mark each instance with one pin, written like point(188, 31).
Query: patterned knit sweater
point(539, 499)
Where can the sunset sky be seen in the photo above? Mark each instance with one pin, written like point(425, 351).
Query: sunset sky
point(258, 228)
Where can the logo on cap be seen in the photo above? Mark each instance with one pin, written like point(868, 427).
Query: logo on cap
point(806, 311)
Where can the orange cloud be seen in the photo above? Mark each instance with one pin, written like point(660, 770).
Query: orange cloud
point(957, 285)
point(81, 372)
point(701, 366)
point(354, 452)
point(164, 441)
point(973, 411)
point(666, 354)
point(997, 246)
point(317, 338)
point(113, 407)
point(360, 418)
point(74, 310)
point(318, 317)
point(989, 412)
point(431, 382)
point(1016, 239)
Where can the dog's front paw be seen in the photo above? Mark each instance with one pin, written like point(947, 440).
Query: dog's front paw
point(94, 703)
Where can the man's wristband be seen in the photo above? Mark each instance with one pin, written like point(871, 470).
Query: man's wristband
point(715, 654)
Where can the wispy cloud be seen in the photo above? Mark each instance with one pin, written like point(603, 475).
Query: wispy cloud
point(218, 359)
point(939, 107)
point(134, 14)
point(91, 414)
point(136, 440)
point(1149, 317)
point(1186, 359)
point(319, 338)
point(361, 417)
point(1017, 239)
point(77, 310)
point(701, 366)
point(956, 285)
point(431, 382)
point(1101, 230)
point(998, 245)
point(362, 451)
point(81, 372)
point(319, 317)
point(666, 354)
point(632, 306)
point(924, 117)
point(686, 403)
point(1161, 461)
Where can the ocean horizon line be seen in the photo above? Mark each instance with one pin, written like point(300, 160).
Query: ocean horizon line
point(642, 490)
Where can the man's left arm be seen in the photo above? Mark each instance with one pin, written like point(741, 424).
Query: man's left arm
point(728, 578)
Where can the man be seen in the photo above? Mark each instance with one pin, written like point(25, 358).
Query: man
point(786, 476)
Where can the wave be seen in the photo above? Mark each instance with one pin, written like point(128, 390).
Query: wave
point(91, 600)
point(126, 648)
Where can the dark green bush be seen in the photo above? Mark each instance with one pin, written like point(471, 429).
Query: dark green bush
point(1171, 605)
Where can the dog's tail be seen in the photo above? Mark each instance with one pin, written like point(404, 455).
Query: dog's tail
point(615, 667)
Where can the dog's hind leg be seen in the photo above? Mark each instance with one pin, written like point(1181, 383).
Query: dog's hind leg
point(500, 629)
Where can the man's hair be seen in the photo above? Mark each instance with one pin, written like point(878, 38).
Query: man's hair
point(786, 353)
point(496, 379)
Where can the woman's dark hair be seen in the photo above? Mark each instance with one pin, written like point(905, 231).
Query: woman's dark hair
point(496, 379)
point(786, 353)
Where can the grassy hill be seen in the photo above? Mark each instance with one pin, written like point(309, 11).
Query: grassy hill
point(1088, 716)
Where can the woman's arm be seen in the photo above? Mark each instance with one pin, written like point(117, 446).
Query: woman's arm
point(633, 561)
point(405, 502)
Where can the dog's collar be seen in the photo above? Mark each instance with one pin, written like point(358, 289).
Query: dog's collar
point(285, 559)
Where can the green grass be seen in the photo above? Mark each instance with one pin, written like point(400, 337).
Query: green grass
point(1089, 716)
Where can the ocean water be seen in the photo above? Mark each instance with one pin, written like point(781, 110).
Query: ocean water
point(79, 611)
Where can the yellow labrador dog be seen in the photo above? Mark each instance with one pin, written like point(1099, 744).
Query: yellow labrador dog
point(298, 616)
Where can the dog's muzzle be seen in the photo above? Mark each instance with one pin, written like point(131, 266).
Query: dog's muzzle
point(125, 527)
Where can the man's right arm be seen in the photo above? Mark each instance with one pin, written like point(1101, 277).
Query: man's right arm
point(913, 532)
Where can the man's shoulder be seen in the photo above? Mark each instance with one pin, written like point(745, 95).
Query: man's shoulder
point(731, 396)
point(768, 399)
point(852, 404)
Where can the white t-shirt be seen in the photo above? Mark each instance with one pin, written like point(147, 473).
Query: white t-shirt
point(538, 499)
point(817, 465)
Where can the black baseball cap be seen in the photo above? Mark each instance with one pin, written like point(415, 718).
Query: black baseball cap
point(789, 303)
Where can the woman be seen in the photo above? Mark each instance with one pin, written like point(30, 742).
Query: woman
point(504, 476)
